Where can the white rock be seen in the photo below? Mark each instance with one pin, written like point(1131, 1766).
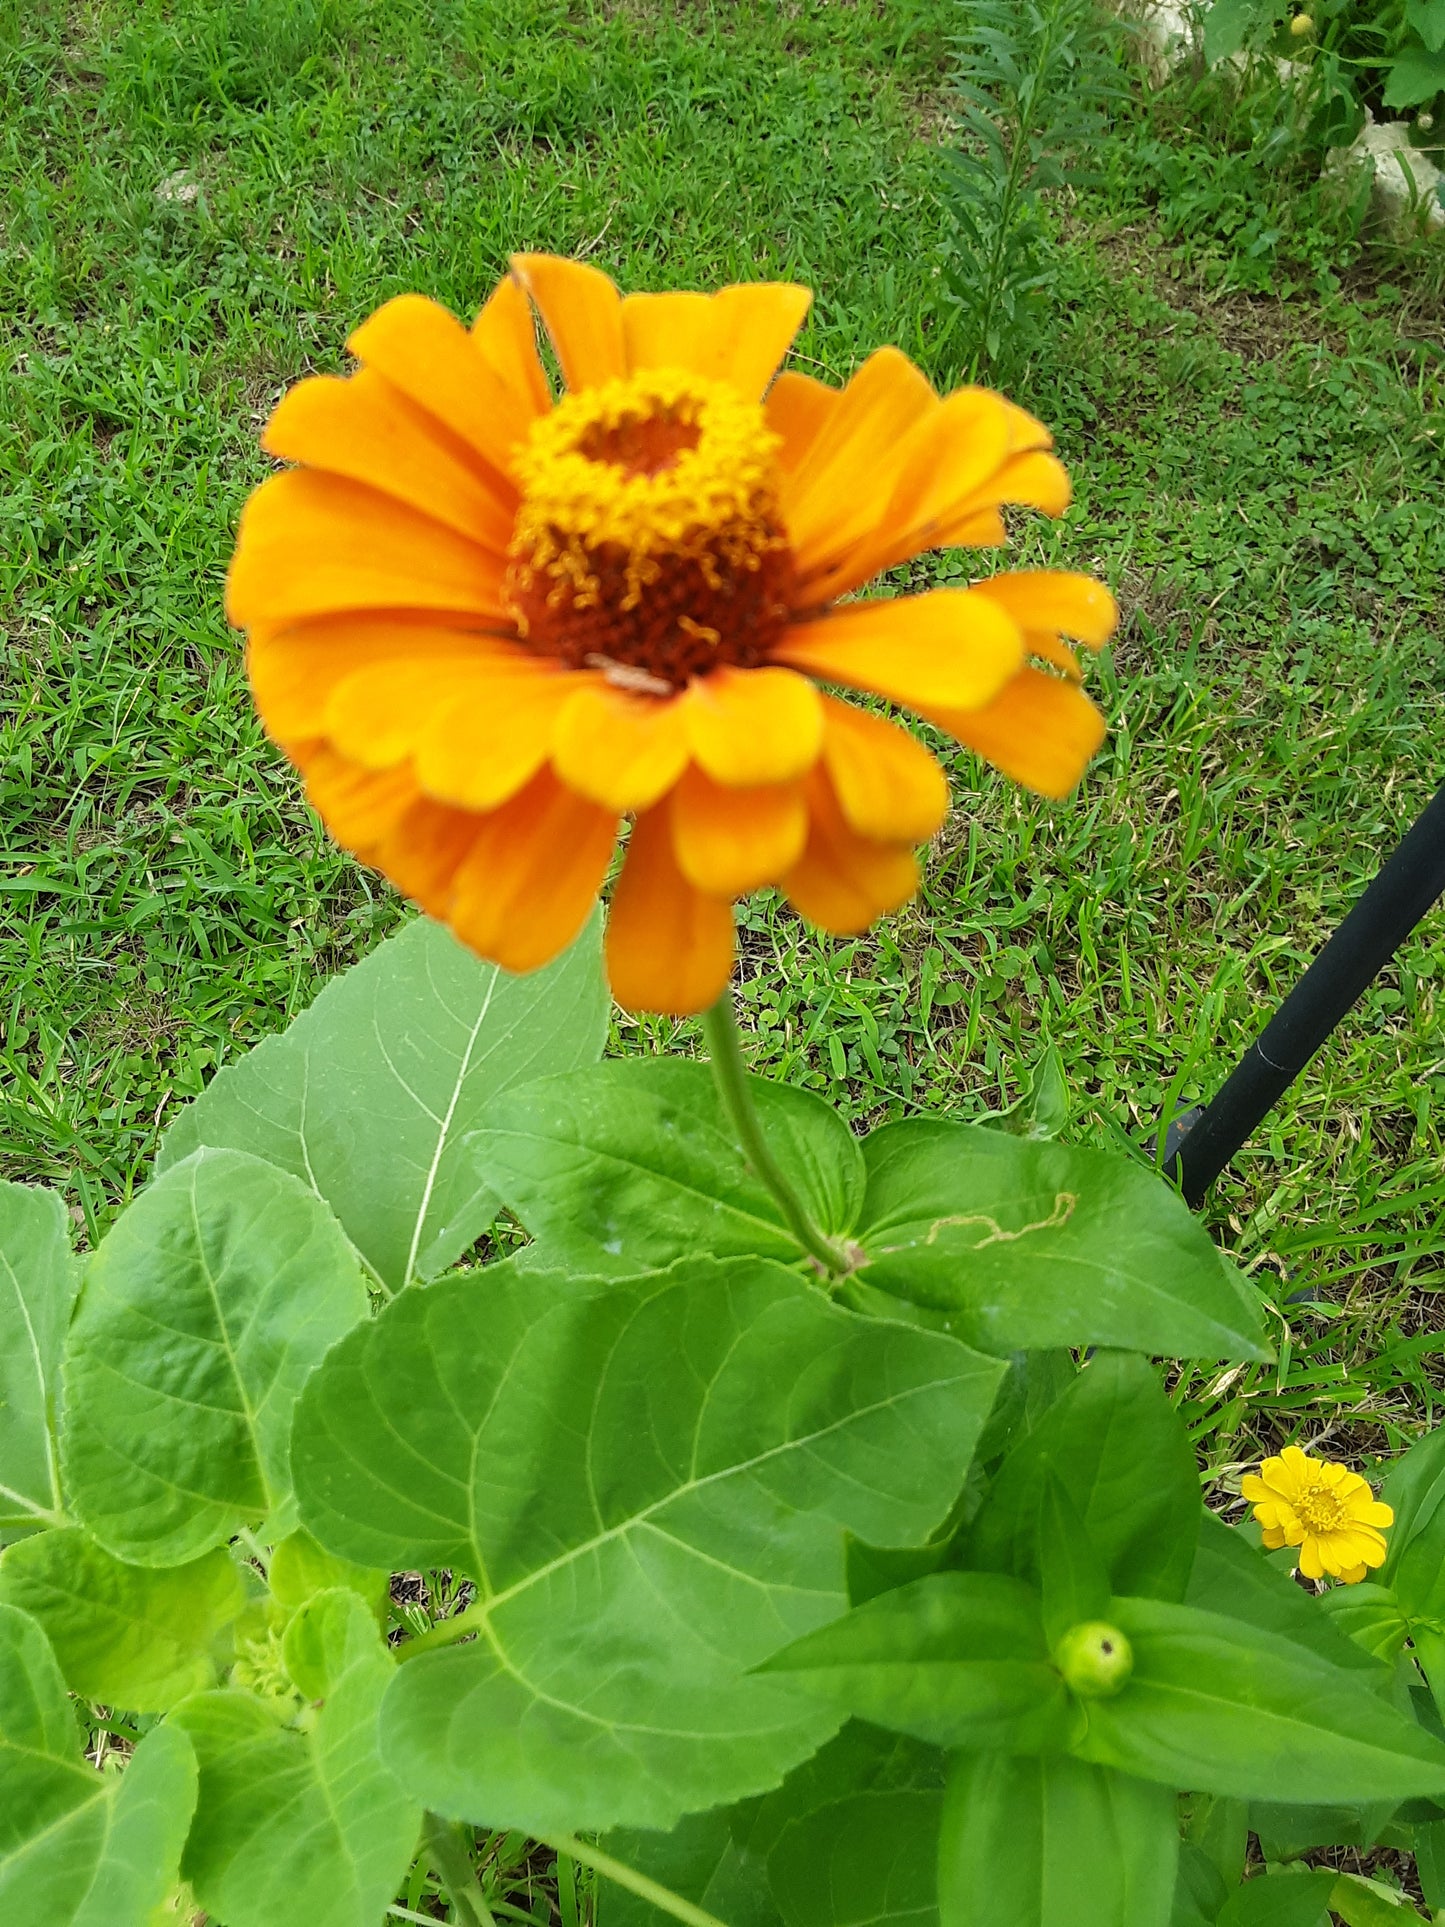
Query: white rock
point(178, 189)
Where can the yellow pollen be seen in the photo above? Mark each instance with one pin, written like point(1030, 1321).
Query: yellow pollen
point(1321, 1508)
point(649, 533)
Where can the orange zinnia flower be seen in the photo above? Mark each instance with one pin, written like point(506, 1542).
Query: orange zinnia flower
point(488, 623)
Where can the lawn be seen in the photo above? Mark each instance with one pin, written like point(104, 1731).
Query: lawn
point(201, 199)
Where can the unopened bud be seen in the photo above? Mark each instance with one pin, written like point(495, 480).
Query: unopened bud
point(1301, 25)
point(1424, 122)
point(1095, 1659)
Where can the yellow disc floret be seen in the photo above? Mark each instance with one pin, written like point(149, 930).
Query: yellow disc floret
point(648, 535)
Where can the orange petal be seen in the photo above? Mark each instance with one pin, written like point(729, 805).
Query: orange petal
point(730, 841)
point(358, 806)
point(294, 671)
point(366, 429)
point(947, 458)
point(836, 496)
point(425, 351)
point(948, 647)
point(582, 312)
point(888, 786)
point(1055, 602)
point(1040, 731)
point(533, 872)
point(754, 324)
point(844, 881)
point(423, 850)
point(669, 947)
point(751, 726)
point(476, 731)
point(667, 331)
point(620, 749)
point(507, 336)
point(483, 743)
point(799, 409)
point(312, 545)
point(1035, 481)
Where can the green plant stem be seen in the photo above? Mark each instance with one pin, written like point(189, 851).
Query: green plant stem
point(629, 1877)
point(719, 1027)
point(448, 1854)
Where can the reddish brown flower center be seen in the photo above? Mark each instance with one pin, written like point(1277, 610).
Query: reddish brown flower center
point(648, 542)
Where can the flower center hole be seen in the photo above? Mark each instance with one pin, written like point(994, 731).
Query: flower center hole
point(640, 446)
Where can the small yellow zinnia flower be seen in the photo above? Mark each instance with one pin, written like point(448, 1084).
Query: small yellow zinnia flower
point(489, 623)
point(1326, 1510)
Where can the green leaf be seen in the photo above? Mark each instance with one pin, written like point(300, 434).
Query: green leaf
point(1219, 1706)
point(1219, 1829)
point(369, 1094)
point(648, 1480)
point(958, 1659)
point(700, 1860)
point(1200, 1891)
point(1365, 1903)
point(1370, 1616)
point(126, 1635)
point(79, 1848)
point(1120, 1451)
point(1416, 76)
point(1427, 17)
point(1027, 1245)
point(1414, 1566)
point(1052, 1842)
point(300, 1568)
point(870, 1858)
point(1280, 1900)
point(1430, 1862)
point(202, 1313)
point(1229, 23)
point(301, 1825)
point(1072, 1580)
point(1232, 1577)
point(38, 1280)
point(636, 1165)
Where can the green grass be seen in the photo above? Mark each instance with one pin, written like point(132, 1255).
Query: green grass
point(201, 198)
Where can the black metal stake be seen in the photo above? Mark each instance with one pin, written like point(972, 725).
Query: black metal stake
point(1199, 1144)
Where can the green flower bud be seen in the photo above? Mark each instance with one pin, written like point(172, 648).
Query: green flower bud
point(1095, 1659)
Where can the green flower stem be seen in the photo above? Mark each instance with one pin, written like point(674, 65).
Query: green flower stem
point(447, 1851)
point(629, 1877)
point(719, 1027)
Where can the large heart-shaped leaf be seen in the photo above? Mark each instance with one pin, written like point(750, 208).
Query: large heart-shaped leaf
point(648, 1480)
point(79, 1848)
point(301, 1825)
point(957, 1659)
point(1222, 1707)
point(636, 1164)
point(214, 1295)
point(129, 1636)
point(368, 1096)
point(863, 1861)
point(1053, 1842)
point(1120, 1452)
point(1025, 1244)
point(38, 1280)
point(700, 1860)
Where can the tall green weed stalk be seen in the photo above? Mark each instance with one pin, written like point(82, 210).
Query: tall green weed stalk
point(1033, 83)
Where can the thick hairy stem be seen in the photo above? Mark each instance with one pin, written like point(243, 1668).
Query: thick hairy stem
point(725, 1047)
point(637, 1883)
